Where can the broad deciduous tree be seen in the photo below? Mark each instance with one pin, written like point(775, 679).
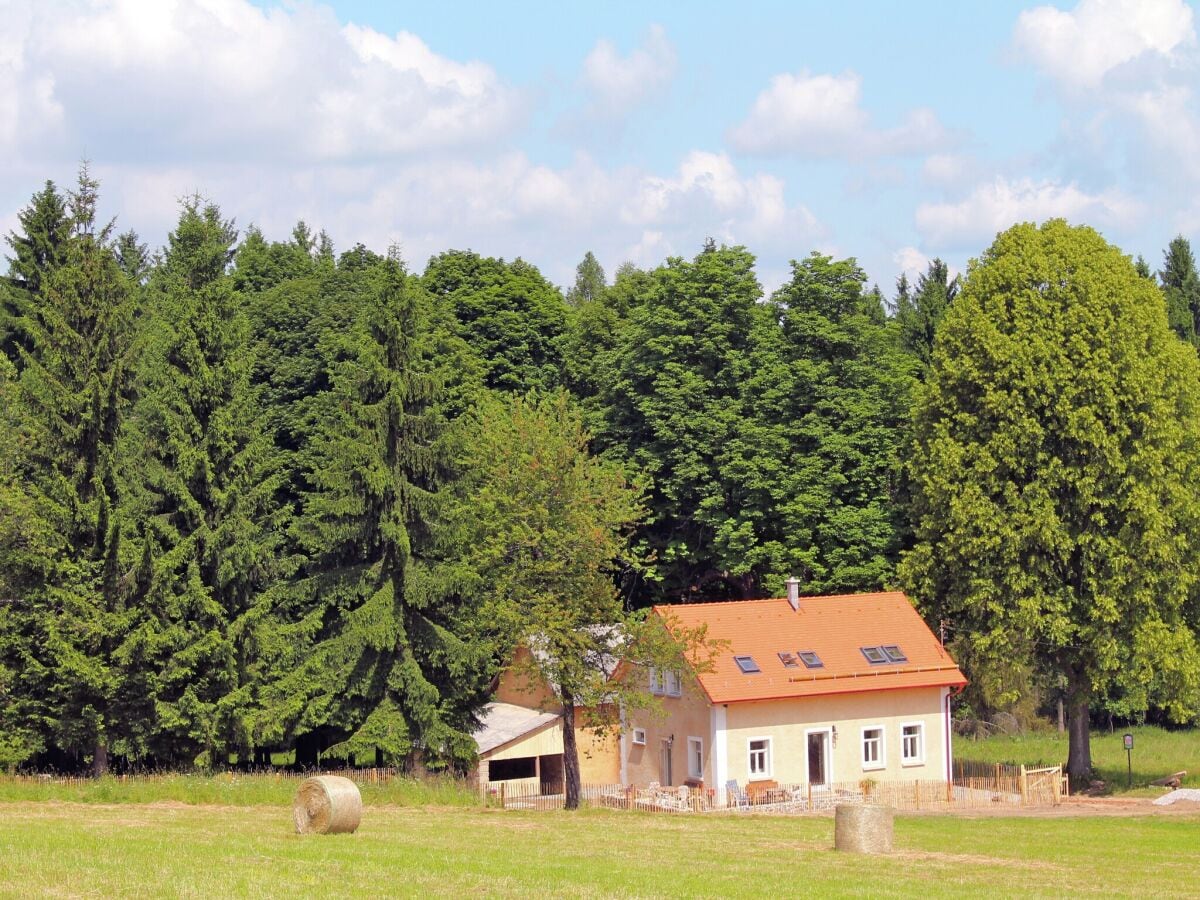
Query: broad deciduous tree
point(1054, 472)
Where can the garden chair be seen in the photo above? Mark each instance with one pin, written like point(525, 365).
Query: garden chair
point(735, 797)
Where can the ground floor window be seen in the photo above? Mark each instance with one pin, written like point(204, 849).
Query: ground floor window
point(872, 747)
point(760, 757)
point(912, 743)
point(695, 757)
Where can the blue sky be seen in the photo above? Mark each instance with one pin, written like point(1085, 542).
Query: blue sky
point(888, 132)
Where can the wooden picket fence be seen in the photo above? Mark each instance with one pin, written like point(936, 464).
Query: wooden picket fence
point(1000, 786)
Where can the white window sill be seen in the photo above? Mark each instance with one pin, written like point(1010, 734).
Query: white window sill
point(912, 763)
point(873, 767)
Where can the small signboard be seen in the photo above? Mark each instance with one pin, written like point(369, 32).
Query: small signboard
point(1129, 742)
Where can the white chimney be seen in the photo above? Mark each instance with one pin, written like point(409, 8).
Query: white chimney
point(793, 586)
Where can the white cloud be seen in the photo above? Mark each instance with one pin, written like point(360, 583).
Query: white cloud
point(220, 79)
point(1080, 47)
point(994, 206)
point(911, 261)
point(615, 84)
point(822, 116)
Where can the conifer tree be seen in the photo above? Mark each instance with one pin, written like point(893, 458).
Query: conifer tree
point(74, 336)
point(371, 656)
point(590, 283)
point(208, 491)
point(919, 317)
point(1181, 285)
point(38, 249)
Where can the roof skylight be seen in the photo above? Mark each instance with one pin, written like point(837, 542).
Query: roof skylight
point(746, 664)
point(874, 655)
point(894, 653)
point(810, 659)
point(788, 660)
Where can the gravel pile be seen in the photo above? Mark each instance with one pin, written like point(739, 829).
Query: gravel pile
point(1191, 794)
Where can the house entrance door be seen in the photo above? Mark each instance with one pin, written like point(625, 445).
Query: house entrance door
point(665, 764)
point(818, 758)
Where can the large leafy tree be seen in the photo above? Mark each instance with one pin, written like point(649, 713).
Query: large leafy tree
point(208, 486)
point(818, 456)
point(1054, 471)
point(672, 400)
point(539, 528)
point(368, 643)
point(512, 317)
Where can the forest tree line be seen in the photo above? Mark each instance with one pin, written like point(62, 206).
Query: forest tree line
point(262, 495)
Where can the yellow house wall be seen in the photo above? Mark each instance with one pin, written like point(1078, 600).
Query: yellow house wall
point(684, 716)
point(599, 756)
point(522, 688)
point(785, 722)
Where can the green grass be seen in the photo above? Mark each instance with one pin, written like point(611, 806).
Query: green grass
point(173, 850)
point(1156, 752)
point(229, 790)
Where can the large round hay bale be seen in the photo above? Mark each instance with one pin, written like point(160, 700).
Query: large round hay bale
point(863, 828)
point(327, 804)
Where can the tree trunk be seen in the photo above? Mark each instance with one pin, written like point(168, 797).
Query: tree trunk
point(100, 758)
point(570, 753)
point(1079, 753)
point(1061, 717)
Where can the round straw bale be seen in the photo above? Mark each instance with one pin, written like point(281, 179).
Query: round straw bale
point(863, 828)
point(327, 804)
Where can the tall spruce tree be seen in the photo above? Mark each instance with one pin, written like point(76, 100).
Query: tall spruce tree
point(73, 336)
point(208, 492)
point(38, 249)
point(1181, 285)
point(370, 646)
point(920, 312)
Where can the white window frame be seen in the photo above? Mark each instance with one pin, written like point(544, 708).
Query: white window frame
point(919, 759)
point(656, 683)
point(765, 775)
point(672, 685)
point(639, 737)
point(695, 757)
point(881, 763)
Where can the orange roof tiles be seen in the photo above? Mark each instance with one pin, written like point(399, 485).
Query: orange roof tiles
point(835, 628)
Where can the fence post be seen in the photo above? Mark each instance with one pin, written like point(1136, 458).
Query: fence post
point(949, 792)
point(503, 805)
point(1024, 786)
point(1057, 785)
point(917, 793)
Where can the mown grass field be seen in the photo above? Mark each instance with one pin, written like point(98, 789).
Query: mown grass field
point(1156, 752)
point(168, 849)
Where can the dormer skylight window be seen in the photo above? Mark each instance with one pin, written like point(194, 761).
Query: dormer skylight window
point(875, 655)
point(746, 664)
point(894, 653)
point(810, 659)
point(789, 660)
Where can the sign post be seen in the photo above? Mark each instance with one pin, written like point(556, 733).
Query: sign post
point(1129, 760)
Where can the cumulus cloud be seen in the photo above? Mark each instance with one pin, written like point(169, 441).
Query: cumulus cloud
point(822, 116)
point(994, 206)
point(225, 79)
point(1078, 48)
point(616, 84)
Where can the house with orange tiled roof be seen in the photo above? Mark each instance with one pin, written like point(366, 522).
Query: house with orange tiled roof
point(805, 691)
